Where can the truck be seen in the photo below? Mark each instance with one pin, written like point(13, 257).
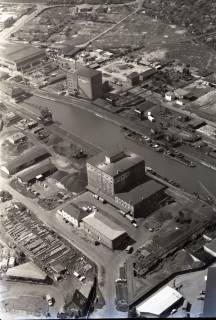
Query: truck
point(11, 262)
point(4, 266)
point(49, 300)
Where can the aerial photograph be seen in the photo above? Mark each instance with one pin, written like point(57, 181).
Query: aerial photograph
point(107, 159)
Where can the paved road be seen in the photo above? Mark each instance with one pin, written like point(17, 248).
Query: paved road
point(6, 33)
point(100, 255)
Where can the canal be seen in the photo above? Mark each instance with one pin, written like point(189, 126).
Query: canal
point(104, 134)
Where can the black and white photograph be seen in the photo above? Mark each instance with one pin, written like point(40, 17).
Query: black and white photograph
point(107, 159)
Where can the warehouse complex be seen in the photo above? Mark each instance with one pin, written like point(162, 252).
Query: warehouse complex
point(119, 177)
point(85, 82)
point(25, 160)
point(19, 57)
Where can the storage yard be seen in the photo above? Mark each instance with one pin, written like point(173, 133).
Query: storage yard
point(42, 246)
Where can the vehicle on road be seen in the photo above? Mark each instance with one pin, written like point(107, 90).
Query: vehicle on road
point(129, 249)
point(50, 300)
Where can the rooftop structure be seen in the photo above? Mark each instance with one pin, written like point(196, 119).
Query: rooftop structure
point(209, 303)
point(19, 56)
point(115, 162)
point(160, 302)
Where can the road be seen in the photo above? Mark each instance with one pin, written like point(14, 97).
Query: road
point(6, 33)
point(100, 255)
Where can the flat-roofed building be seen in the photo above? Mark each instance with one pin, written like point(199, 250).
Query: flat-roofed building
point(18, 57)
point(104, 230)
point(111, 172)
point(25, 160)
point(141, 200)
point(159, 303)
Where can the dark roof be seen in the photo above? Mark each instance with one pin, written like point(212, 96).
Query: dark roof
point(209, 303)
point(70, 51)
point(133, 75)
point(196, 123)
point(87, 72)
point(112, 169)
point(146, 105)
point(141, 192)
point(33, 171)
point(13, 165)
point(74, 212)
point(18, 52)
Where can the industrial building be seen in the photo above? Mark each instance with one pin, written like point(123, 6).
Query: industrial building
point(141, 200)
point(209, 310)
point(85, 82)
point(11, 90)
point(133, 78)
point(119, 177)
point(104, 230)
point(72, 214)
point(111, 172)
point(6, 21)
point(36, 172)
point(17, 138)
point(25, 160)
point(159, 303)
point(19, 57)
point(208, 133)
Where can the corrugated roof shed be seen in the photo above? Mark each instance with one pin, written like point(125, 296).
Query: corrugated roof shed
point(18, 52)
point(40, 168)
point(12, 166)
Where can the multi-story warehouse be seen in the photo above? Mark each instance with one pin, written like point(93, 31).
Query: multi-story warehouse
point(19, 57)
point(120, 179)
point(85, 82)
point(111, 173)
